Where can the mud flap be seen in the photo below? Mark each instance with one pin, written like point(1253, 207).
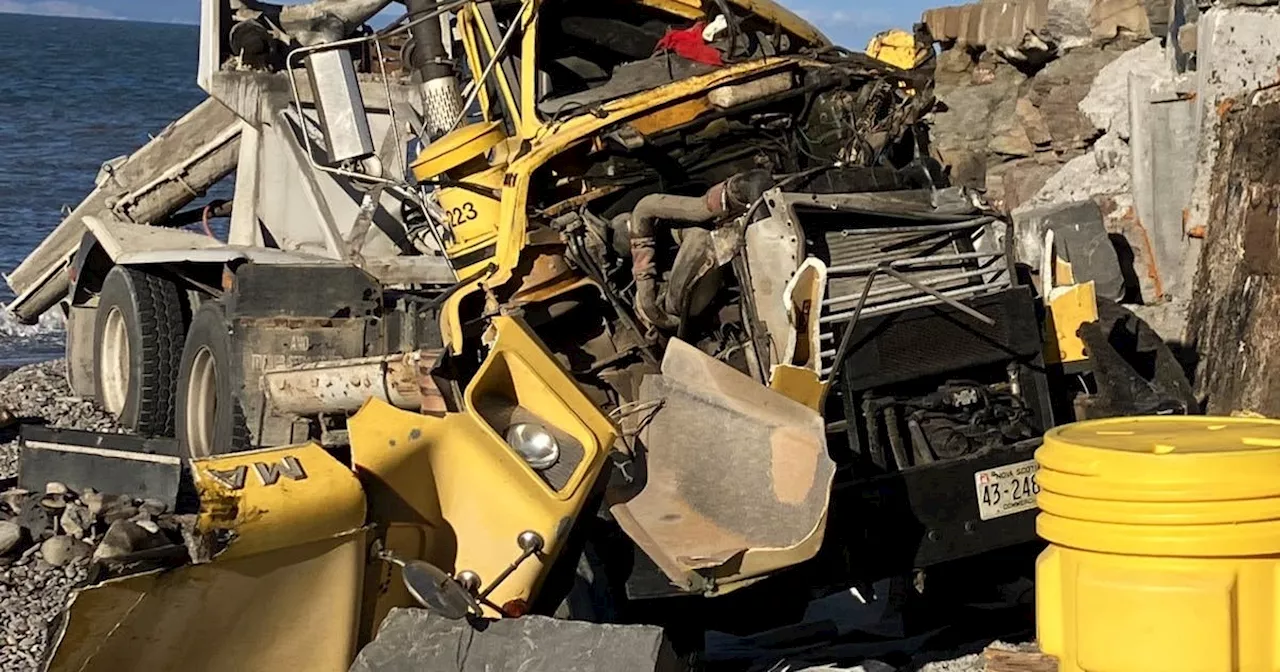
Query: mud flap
point(736, 477)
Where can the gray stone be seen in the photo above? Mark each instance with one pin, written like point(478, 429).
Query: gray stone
point(34, 517)
point(1067, 19)
point(1033, 123)
point(1107, 103)
point(1058, 89)
point(415, 639)
point(1236, 52)
point(14, 498)
point(154, 507)
point(962, 128)
point(952, 67)
point(1112, 18)
point(10, 537)
point(53, 502)
point(1102, 172)
point(76, 520)
point(1008, 135)
point(125, 537)
point(1011, 184)
point(62, 550)
point(1111, 153)
point(94, 500)
point(1080, 237)
point(1158, 13)
point(121, 509)
point(1167, 318)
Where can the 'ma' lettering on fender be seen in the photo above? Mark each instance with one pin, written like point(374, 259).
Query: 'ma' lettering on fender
point(268, 474)
point(289, 467)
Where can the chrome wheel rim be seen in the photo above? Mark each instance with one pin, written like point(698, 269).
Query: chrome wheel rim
point(202, 403)
point(113, 362)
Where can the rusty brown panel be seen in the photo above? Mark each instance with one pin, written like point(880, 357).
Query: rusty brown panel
point(1261, 232)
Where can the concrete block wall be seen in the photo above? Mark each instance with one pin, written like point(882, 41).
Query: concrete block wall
point(994, 24)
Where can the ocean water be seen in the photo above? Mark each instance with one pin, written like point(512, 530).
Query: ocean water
point(73, 94)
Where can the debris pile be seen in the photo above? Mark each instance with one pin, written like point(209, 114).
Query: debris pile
point(47, 542)
point(1149, 110)
point(67, 528)
point(38, 564)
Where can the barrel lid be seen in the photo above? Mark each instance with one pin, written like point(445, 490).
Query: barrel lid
point(1189, 486)
point(1163, 459)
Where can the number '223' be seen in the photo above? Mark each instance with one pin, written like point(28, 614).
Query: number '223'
point(461, 215)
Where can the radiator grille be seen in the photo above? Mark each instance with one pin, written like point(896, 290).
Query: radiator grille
point(956, 256)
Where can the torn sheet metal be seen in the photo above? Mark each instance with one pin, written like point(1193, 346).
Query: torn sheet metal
point(285, 594)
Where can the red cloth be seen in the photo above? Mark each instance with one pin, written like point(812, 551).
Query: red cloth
point(689, 44)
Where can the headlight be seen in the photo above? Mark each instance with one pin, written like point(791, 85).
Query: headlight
point(535, 444)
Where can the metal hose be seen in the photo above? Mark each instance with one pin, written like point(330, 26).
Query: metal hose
point(683, 209)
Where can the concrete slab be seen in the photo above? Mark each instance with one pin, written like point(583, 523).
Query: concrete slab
point(415, 639)
point(1237, 51)
point(1163, 156)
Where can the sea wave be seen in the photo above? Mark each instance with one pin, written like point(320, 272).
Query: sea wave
point(51, 323)
point(27, 343)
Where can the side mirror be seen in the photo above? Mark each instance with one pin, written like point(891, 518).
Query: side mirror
point(437, 591)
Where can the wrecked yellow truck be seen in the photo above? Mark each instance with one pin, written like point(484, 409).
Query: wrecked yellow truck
point(671, 281)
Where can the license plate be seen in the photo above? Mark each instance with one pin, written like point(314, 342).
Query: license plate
point(1007, 490)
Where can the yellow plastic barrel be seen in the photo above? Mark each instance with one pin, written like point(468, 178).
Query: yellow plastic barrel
point(1164, 550)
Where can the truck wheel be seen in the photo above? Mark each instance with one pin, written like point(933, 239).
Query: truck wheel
point(138, 330)
point(209, 419)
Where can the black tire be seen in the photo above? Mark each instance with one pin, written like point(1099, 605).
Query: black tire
point(203, 431)
point(138, 335)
